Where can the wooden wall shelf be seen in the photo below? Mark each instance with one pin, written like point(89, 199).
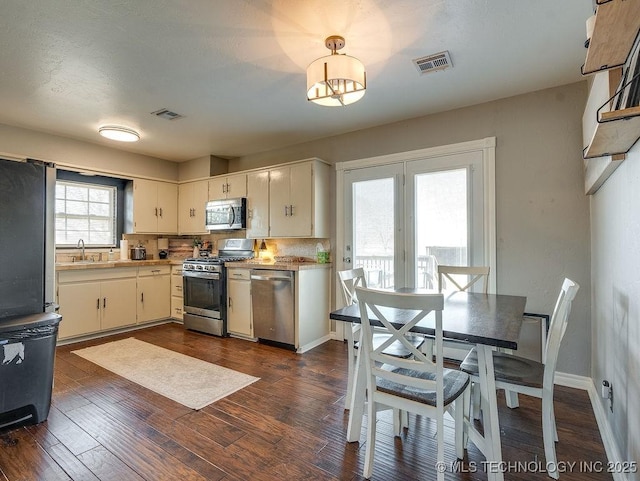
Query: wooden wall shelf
point(616, 27)
point(616, 132)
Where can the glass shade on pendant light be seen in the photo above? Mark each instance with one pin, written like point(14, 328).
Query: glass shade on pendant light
point(121, 134)
point(337, 79)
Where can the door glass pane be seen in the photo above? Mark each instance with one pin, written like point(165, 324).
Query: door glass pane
point(442, 225)
point(373, 230)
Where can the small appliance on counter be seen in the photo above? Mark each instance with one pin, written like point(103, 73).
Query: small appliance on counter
point(163, 247)
point(138, 253)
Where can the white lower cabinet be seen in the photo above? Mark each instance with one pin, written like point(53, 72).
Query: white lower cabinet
point(239, 319)
point(95, 300)
point(176, 292)
point(154, 293)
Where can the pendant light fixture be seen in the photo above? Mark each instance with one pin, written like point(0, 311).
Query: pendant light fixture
point(121, 134)
point(337, 79)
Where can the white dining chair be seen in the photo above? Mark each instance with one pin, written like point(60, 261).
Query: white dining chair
point(416, 384)
point(525, 376)
point(450, 278)
point(349, 280)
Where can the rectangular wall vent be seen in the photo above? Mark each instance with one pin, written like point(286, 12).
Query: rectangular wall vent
point(167, 114)
point(433, 63)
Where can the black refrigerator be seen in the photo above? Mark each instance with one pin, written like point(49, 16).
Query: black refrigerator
point(28, 321)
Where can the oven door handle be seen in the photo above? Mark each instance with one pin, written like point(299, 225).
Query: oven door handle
point(201, 275)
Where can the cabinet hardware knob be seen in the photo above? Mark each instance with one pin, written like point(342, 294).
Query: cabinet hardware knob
point(104, 302)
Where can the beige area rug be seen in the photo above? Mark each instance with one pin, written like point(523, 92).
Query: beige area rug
point(187, 380)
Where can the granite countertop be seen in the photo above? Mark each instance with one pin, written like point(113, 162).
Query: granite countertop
point(279, 265)
point(67, 266)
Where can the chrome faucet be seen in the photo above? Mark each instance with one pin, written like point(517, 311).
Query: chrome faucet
point(81, 245)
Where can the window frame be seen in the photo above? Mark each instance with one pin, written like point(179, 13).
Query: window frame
point(118, 185)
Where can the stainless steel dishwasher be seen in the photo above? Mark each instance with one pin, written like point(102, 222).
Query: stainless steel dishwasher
point(272, 299)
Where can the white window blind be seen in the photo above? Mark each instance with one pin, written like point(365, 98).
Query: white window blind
point(87, 212)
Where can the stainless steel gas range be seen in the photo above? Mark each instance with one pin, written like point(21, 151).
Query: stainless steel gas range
point(204, 282)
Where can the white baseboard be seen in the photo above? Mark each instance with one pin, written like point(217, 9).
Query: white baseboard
point(608, 440)
point(311, 345)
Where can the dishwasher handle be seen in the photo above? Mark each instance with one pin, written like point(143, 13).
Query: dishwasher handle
point(256, 277)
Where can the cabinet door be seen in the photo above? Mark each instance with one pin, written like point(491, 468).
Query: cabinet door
point(145, 205)
point(118, 302)
point(218, 188)
point(239, 307)
point(300, 198)
point(154, 297)
point(258, 205)
point(185, 208)
point(80, 308)
point(167, 208)
point(200, 198)
point(279, 202)
point(236, 186)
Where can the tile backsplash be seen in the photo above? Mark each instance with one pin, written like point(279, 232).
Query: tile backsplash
point(181, 247)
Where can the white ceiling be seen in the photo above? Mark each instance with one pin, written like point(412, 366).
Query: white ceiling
point(236, 68)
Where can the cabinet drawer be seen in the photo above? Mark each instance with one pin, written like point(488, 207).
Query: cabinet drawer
point(176, 307)
point(144, 271)
point(84, 275)
point(176, 289)
point(240, 274)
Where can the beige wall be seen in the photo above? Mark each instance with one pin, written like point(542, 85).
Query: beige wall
point(542, 212)
point(18, 142)
point(615, 237)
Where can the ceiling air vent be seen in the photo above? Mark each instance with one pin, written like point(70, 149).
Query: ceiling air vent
point(433, 63)
point(167, 114)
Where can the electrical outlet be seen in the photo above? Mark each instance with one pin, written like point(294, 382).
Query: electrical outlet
point(607, 393)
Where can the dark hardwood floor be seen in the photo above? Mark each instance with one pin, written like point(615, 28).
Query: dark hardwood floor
point(290, 425)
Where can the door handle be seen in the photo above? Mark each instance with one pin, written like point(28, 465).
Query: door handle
point(98, 303)
point(104, 302)
point(160, 211)
point(142, 297)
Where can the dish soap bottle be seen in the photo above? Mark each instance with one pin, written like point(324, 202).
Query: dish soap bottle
point(110, 255)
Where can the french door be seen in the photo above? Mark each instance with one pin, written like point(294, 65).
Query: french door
point(403, 219)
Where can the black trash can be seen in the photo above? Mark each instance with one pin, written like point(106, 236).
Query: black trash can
point(27, 353)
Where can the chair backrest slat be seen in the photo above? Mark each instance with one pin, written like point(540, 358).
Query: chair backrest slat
point(559, 320)
point(349, 280)
point(474, 273)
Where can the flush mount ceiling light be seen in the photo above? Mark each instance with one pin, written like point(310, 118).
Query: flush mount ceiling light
point(337, 79)
point(121, 134)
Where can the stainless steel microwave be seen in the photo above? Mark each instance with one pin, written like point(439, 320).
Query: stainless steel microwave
point(226, 214)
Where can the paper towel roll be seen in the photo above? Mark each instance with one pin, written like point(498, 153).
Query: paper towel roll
point(124, 249)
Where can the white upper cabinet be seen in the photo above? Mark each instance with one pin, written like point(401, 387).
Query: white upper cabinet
point(228, 186)
point(192, 198)
point(257, 205)
point(154, 209)
point(298, 204)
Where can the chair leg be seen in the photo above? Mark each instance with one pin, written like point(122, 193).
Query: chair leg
point(352, 359)
point(548, 430)
point(466, 399)
point(371, 439)
point(475, 390)
point(553, 421)
point(459, 407)
point(440, 435)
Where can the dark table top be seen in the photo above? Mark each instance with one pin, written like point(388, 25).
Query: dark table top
point(490, 319)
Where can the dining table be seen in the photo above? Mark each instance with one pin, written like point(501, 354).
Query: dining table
point(488, 321)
